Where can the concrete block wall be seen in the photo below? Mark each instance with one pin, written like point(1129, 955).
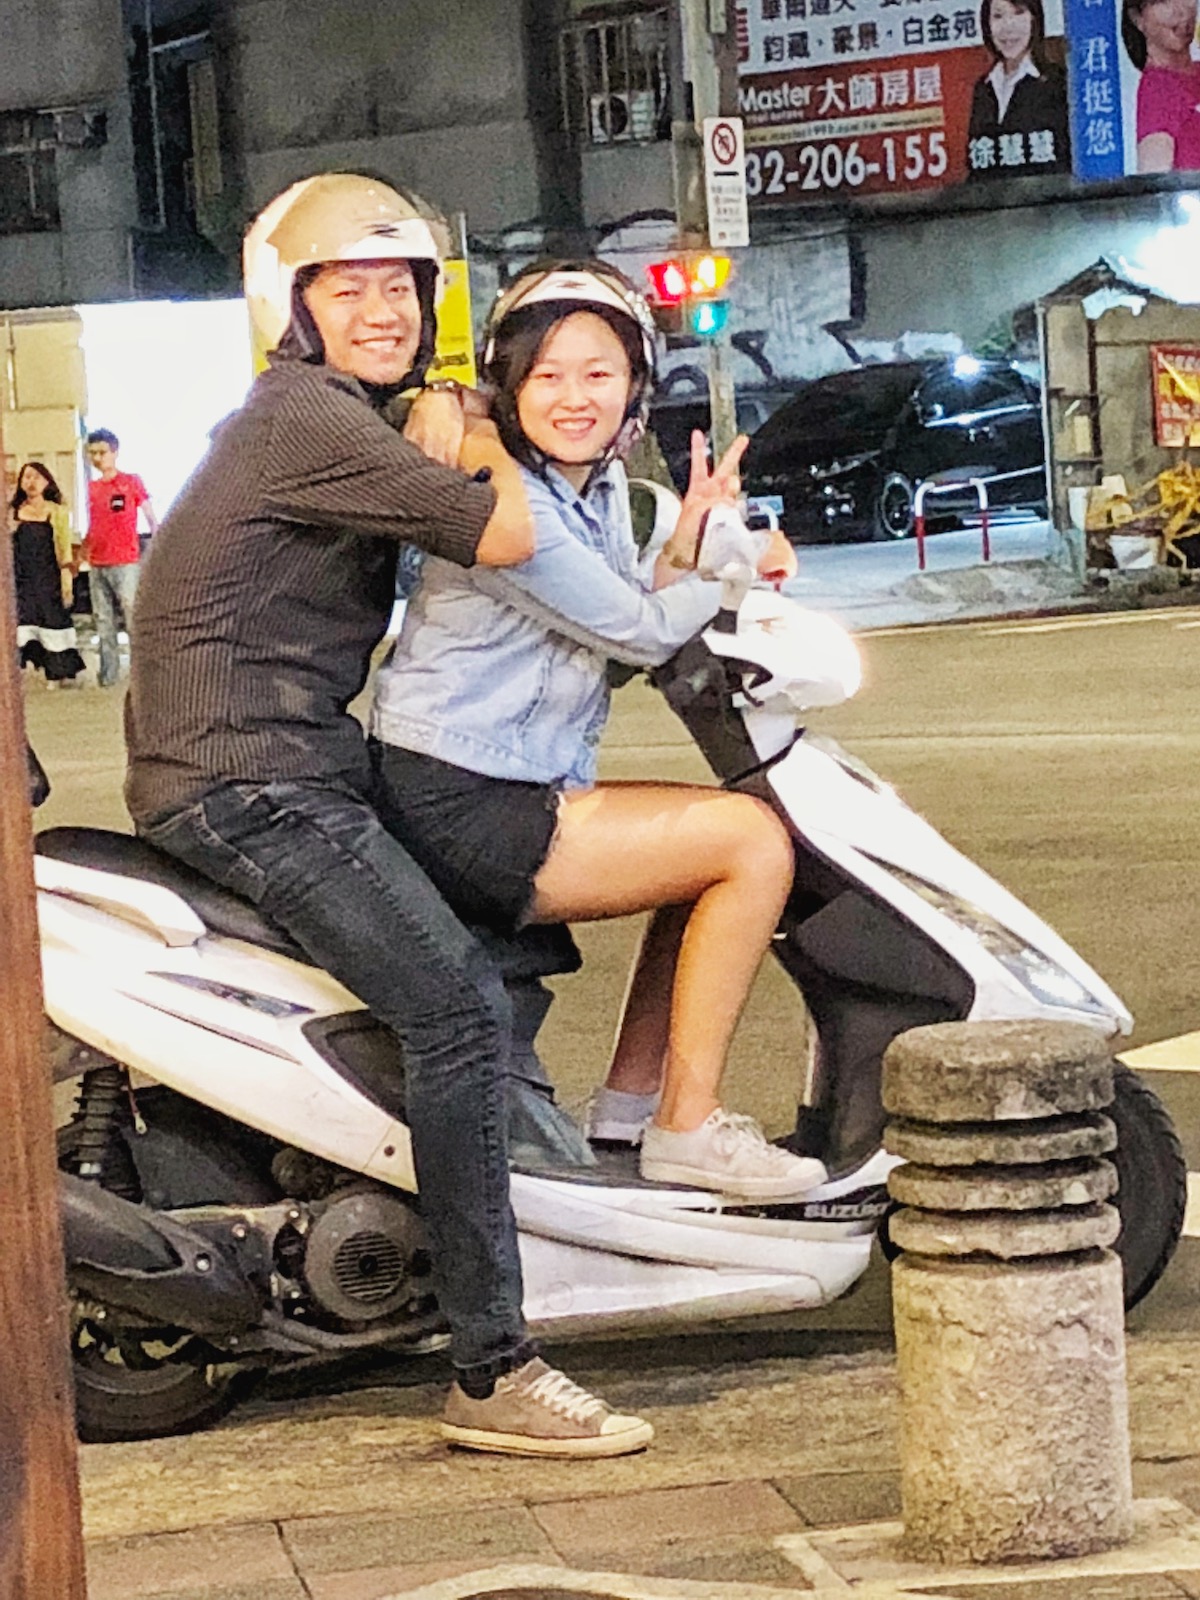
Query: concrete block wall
point(432, 92)
point(71, 53)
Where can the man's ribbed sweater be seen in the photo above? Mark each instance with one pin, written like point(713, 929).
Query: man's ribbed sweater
point(270, 583)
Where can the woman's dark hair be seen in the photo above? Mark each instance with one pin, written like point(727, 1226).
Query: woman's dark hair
point(519, 342)
point(51, 492)
point(1037, 33)
point(1132, 36)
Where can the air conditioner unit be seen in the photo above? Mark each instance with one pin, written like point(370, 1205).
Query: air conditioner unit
point(623, 116)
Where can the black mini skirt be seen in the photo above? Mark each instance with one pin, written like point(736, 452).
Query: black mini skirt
point(480, 840)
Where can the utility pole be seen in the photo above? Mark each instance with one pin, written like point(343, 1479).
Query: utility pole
point(41, 1539)
point(703, 84)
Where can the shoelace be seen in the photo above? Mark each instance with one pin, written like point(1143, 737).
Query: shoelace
point(736, 1129)
point(556, 1391)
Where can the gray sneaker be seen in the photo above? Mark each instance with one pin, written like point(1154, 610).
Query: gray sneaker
point(731, 1155)
point(538, 1411)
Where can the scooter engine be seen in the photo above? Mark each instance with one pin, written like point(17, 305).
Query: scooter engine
point(363, 1255)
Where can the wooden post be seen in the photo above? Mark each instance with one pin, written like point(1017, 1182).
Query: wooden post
point(41, 1539)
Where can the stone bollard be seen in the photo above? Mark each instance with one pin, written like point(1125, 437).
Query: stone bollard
point(1009, 1312)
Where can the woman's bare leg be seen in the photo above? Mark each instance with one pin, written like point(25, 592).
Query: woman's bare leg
point(623, 848)
point(644, 1032)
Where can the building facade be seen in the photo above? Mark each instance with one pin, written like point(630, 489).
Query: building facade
point(138, 136)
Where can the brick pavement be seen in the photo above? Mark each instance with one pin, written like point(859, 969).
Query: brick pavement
point(353, 1497)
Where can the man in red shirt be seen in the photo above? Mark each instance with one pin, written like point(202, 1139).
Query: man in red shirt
point(112, 547)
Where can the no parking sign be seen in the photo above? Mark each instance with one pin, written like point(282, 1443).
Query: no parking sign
point(725, 182)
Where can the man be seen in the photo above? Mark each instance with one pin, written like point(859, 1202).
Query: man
point(263, 598)
point(113, 547)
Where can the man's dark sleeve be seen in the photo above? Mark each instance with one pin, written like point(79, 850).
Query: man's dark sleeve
point(333, 462)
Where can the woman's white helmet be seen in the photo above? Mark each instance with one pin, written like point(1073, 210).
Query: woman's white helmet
point(337, 216)
point(547, 290)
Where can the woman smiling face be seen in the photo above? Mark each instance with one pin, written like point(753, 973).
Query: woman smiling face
point(572, 404)
point(1011, 27)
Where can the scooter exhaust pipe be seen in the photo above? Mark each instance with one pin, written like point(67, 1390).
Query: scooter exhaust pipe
point(132, 1259)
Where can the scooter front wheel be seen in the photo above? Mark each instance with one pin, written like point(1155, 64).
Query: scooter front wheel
point(1152, 1193)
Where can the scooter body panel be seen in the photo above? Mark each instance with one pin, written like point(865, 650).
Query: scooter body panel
point(866, 829)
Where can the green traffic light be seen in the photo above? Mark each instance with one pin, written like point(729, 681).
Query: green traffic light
point(708, 318)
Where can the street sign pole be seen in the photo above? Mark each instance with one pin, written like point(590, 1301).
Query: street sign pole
point(704, 63)
point(41, 1541)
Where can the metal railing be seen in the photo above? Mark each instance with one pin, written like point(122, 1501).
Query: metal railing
point(614, 78)
point(932, 486)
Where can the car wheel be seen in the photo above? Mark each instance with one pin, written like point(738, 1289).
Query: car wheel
point(895, 508)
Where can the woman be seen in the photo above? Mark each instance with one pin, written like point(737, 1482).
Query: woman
point(42, 574)
point(1159, 36)
point(1019, 122)
point(488, 714)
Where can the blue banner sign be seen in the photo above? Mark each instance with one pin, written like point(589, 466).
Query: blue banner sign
point(1094, 74)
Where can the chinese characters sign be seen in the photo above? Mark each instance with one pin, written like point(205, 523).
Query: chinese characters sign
point(1176, 372)
point(1096, 110)
point(867, 96)
point(1135, 86)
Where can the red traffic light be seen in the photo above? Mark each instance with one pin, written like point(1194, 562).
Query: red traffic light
point(670, 282)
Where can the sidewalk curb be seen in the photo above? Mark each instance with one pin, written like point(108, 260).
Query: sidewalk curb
point(544, 1583)
point(867, 1560)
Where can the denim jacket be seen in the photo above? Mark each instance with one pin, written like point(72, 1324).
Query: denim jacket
point(502, 670)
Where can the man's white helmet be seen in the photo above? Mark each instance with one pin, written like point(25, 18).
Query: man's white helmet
point(337, 216)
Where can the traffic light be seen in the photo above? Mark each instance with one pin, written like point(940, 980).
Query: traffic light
point(688, 294)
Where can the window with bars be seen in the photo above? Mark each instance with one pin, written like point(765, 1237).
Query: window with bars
point(615, 83)
point(28, 175)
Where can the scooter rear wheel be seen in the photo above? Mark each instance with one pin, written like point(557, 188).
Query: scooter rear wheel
point(1152, 1197)
point(134, 1382)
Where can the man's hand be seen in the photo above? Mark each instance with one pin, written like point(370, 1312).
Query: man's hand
point(508, 537)
point(706, 489)
point(436, 425)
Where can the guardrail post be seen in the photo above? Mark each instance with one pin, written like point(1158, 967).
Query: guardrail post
point(919, 523)
point(1014, 1435)
point(981, 487)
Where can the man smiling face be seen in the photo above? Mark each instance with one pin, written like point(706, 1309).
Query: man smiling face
point(368, 314)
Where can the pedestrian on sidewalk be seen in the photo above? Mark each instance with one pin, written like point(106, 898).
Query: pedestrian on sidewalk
point(113, 547)
point(42, 576)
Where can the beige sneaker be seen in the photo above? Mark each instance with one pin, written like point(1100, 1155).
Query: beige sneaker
point(731, 1155)
point(538, 1411)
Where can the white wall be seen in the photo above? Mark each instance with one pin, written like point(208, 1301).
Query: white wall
point(160, 375)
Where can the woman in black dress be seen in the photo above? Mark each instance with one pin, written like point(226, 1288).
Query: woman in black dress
point(41, 551)
point(1019, 120)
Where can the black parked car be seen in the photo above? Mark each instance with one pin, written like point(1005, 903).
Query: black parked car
point(847, 453)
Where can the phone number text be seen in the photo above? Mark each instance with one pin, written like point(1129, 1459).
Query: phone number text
point(820, 167)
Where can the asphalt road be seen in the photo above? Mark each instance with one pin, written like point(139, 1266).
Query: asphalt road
point(1057, 753)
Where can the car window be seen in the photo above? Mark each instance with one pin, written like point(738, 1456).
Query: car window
point(947, 394)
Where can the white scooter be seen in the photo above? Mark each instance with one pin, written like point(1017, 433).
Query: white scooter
point(237, 1181)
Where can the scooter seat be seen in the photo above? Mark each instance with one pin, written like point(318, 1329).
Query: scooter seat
point(128, 857)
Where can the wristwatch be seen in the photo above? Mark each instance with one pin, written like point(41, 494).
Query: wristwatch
point(444, 386)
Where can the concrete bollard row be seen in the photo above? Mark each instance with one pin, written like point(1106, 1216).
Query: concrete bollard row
point(1008, 1300)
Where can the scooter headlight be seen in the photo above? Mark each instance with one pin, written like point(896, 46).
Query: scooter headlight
point(1035, 971)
